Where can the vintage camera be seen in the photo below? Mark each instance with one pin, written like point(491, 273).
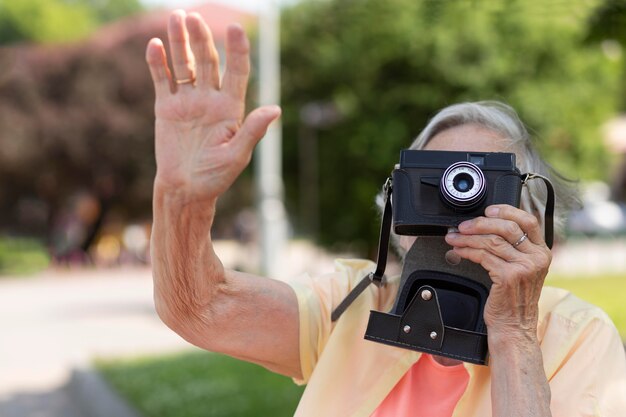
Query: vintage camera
point(439, 306)
point(440, 301)
point(436, 190)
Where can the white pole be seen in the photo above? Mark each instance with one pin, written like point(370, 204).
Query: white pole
point(268, 154)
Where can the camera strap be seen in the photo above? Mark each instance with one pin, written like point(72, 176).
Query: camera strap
point(377, 277)
point(548, 218)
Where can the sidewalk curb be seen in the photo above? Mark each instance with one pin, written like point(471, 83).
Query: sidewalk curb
point(95, 396)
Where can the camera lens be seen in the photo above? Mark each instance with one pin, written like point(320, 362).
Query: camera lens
point(463, 182)
point(463, 185)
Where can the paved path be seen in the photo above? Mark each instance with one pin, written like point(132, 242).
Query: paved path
point(59, 321)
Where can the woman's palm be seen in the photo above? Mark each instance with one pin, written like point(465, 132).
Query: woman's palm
point(202, 140)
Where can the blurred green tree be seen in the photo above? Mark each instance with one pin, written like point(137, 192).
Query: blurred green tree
point(109, 10)
point(360, 79)
point(607, 28)
point(385, 66)
point(44, 21)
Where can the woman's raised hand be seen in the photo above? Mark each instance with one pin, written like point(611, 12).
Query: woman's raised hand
point(203, 141)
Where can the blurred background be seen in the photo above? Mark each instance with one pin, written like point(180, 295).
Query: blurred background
point(357, 80)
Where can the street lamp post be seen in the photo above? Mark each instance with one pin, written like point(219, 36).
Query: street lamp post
point(268, 167)
point(314, 117)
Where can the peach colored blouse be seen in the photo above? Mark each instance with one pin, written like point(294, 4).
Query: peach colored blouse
point(427, 389)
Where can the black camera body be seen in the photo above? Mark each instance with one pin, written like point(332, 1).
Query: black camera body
point(440, 301)
point(436, 190)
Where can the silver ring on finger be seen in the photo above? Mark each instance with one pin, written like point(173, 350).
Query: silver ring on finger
point(520, 240)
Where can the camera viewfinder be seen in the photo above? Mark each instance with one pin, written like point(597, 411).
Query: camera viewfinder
point(477, 159)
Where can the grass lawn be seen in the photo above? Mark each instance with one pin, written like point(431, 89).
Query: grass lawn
point(22, 256)
point(201, 384)
point(607, 292)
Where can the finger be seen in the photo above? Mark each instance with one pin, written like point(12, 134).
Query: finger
point(157, 63)
point(494, 244)
point(182, 59)
point(254, 128)
point(482, 257)
point(205, 54)
point(237, 71)
point(527, 222)
point(508, 230)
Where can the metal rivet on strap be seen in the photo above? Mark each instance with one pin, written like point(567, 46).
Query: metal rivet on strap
point(433, 335)
point(407, 329)
point(426, 295)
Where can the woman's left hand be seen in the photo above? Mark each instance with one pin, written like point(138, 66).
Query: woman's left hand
point(509, 244)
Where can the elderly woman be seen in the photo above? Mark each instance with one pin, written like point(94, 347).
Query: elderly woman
point(550, 353)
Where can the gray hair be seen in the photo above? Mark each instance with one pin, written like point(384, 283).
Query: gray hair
point(504, 121)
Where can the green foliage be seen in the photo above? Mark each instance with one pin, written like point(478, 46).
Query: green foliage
point(607, 24)
point(21, 256)
point(608, 21)
point(45, 21)
point(607, 292)
point(108, 10)
point(389, 65)
point(201, 385)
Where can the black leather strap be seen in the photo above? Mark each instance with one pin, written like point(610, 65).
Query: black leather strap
point(385, 227)
point(377, 277)
point(421, 328)
point(549, 212)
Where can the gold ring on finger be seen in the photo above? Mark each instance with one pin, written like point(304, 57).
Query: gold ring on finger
point(190, 80)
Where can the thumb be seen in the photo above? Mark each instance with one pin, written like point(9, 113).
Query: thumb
point(255, 126)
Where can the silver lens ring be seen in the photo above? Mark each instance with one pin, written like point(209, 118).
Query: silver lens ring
point(463, 184)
